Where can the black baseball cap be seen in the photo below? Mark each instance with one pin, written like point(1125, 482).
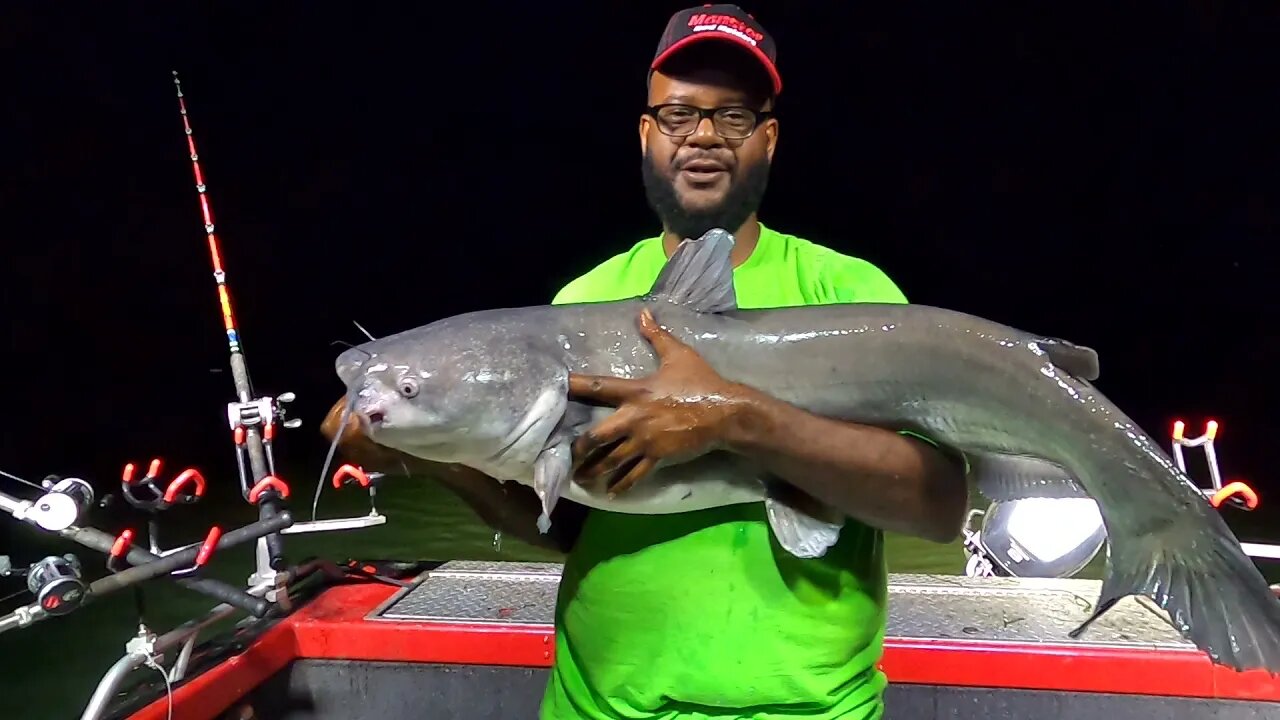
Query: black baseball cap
point(724, 23)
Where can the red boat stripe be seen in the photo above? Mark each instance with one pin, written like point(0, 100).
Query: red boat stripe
point(334, 626)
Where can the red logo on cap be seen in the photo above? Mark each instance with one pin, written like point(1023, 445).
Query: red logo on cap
point(703, 22)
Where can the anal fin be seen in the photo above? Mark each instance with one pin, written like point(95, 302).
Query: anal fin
point(1001, 478)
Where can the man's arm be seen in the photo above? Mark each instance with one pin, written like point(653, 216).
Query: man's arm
point(880, 477)
point(915, 461)
point(513, 509)
point(509, 508)
point(885, 479)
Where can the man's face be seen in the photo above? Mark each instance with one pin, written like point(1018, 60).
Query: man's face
point(702, 181)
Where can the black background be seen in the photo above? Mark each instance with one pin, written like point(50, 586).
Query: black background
point(1100, 172)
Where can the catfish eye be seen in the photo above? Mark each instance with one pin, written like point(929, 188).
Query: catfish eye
point(408, 387)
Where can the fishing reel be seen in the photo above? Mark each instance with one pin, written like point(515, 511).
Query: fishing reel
point(265, 413)
point(56, 582)
point(64, 503)
point(1034, 537)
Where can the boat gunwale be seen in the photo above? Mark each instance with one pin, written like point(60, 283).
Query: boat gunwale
point(338, 623)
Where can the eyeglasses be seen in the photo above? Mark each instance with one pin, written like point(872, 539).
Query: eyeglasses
point(730, 123)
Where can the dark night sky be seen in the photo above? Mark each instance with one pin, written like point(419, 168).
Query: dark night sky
point(1105, 175)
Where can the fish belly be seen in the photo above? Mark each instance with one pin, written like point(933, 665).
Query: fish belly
point(712, 480)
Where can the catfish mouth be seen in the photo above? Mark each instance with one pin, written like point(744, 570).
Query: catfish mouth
point(371, 421)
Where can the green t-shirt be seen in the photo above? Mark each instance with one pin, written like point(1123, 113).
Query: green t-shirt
point(701, 615)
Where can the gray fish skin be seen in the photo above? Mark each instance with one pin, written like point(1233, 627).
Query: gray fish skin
point(489, 390)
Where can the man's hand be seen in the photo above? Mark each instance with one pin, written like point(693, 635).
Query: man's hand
point(880, 477)
point(679, 412)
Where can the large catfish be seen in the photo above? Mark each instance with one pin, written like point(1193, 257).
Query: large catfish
point(489, 390)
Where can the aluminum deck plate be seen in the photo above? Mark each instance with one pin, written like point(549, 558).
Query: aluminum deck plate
point(921, 607)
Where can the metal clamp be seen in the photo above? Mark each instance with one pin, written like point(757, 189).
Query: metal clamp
point(347, 475)
point(1237, 493)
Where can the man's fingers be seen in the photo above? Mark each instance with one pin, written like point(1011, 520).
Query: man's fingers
point(602, 388)
point(633, 476)
point(606, 431)
point(662, 341)
point(621, 455)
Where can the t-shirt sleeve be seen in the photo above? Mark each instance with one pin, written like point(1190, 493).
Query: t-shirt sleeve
point(575, 292)
point(856, 280)
point(591, 286)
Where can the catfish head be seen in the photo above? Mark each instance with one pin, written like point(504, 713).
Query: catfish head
point(355, 446)
point(471, 389)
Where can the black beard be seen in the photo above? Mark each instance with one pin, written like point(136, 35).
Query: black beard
point(743, 198)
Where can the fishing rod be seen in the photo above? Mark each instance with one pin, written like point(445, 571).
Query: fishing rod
point(252, 419)
point(58, 582)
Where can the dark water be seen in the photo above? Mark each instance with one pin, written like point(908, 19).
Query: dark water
point(51, 669)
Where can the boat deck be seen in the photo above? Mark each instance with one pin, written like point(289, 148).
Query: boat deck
point(475, 640)
point(921, 607)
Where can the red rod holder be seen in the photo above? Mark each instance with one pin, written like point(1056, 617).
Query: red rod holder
point(350, 472)
point(270, 482)
point(210, 544)
point(188, 477)
point(1233, 490)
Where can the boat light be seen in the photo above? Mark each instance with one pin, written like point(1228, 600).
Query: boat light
point(1043, 537)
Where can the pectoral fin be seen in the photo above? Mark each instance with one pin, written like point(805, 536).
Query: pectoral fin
point(550, 473)
point(803, 526)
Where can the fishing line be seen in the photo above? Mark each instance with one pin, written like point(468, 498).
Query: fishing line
point(333, 448)
point(168, 687)
point(342, 429)
point(41, 488)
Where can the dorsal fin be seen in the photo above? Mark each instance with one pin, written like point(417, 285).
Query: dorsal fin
point(1079, 360)
point(699, 274)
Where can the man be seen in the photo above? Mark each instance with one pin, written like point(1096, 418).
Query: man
point(701, 614)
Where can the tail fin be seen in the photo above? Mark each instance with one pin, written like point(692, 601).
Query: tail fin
point(1213, 593)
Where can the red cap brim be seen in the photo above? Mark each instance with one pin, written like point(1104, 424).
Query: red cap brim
point(723, 37)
